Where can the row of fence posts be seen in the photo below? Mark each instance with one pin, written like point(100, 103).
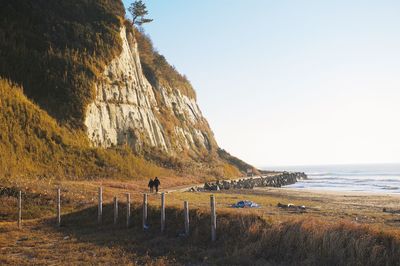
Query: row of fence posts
point(128, 212)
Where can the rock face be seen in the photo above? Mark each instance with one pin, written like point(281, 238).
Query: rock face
point(128, 109)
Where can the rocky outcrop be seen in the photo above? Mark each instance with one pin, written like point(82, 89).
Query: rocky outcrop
point(278, 180)
point(123, 107)
point(128, 109)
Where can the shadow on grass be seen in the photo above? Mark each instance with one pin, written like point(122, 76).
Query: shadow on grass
point(242, 239)
point(196, 248)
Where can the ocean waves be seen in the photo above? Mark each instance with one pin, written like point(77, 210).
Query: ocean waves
point(357, 178)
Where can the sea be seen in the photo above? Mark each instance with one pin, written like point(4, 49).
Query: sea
point(373, 178)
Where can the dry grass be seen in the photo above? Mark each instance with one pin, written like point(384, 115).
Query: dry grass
point(242, 240)
point(266, 236)
point(32, 144)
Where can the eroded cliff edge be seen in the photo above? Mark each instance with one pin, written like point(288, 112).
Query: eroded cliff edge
point(129, 110)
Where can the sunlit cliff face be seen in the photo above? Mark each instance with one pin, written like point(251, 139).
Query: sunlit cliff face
point(129, 110)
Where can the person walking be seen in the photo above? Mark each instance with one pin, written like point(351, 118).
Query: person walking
point(151, 185)
point(156, 183)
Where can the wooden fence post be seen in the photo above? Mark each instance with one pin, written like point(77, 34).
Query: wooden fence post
point(115, 210)
point(58, 207)
point(128, 209)
point(100, 206)
point(186, 213)
point(19, 209)
point(162, 212)
point(213, 219)
point(144, 211)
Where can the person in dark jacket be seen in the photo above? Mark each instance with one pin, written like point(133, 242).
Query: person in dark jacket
point(156, 183)
point(151, 185)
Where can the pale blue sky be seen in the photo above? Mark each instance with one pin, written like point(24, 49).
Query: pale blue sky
point(290, 82)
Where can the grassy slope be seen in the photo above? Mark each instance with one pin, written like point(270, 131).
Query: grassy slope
point(56, 49)
point(32, 143)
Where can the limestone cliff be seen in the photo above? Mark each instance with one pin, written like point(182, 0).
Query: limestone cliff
point(128, 109)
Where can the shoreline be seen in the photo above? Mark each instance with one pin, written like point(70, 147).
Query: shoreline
point(372, 179)
point(323, 192)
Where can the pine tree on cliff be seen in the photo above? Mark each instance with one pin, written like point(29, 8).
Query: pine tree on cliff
point(138, 11)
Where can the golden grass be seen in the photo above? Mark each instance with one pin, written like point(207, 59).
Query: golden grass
point(242, 240)
point(32, 144)
point(265, 236)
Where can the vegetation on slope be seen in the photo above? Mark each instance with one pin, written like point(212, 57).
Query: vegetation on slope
point(241, 165)
point(157, 69)
point(56, 49)
point(32, 143)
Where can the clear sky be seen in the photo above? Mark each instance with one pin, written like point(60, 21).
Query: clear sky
point(290, 82)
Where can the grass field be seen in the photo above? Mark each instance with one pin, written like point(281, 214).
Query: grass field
point(334, 230)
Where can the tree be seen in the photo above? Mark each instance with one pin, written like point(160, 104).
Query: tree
point(138, 11)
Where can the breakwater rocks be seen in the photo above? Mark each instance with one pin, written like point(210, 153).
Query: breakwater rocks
point(277, 180)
